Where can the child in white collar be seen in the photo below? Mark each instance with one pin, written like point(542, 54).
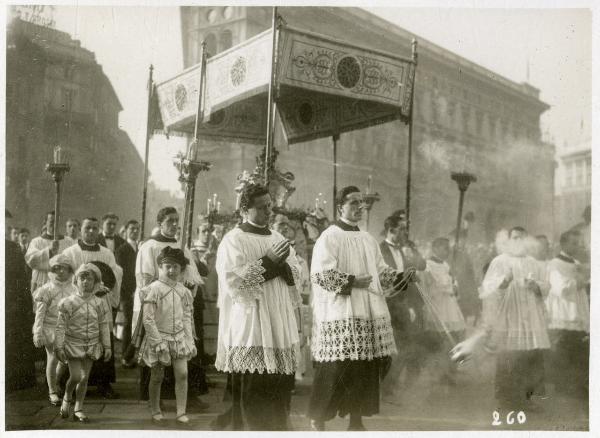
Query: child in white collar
point(167, 319)
point(46, 299)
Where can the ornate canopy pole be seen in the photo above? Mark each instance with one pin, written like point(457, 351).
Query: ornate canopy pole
point(410, 136)
point(334, 138)
point(275, 25)
point(190, 165)
point(463, 180)
point(57, 169)
point(149, 129)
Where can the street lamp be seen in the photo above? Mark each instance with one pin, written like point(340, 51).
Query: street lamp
point(58, 168)
point(463, 180)
point(189, 166)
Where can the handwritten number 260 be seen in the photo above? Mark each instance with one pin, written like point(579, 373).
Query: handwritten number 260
point(521, 418)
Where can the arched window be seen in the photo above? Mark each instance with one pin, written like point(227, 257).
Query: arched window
point(225, 40)
point(211, 44)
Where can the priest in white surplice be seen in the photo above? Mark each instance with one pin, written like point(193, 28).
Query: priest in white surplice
point(514, 322)
point(569, 318)
point(258, 301)
point(353, 339)
point(42, 249)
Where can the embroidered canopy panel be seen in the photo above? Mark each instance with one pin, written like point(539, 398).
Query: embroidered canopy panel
point(323, 87)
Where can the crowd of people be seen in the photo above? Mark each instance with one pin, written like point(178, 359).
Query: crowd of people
point(293, 295)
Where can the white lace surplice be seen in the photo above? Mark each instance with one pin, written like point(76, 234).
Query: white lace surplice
point(515, 317)
point(437, 282)
point(355, 327)
point(257, 325)
point(567, 304)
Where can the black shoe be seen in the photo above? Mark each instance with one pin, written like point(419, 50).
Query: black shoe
point(80, 417)
point(127, 365)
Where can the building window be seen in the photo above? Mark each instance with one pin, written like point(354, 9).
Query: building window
point(568, 169)
point(211, 15)
point(588, 171)
point(66, 99)
point(579, 173)
point(225, 40)
point(211, 44)
point(228, 12)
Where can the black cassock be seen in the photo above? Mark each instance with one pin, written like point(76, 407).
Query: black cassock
point(19, 317)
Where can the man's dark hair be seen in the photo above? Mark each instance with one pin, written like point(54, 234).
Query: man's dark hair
point(517, 229)
point(400, 213)
point(24, 230)
point(340, 196)
point(440, 241)
point(131, 222)
point(48, 213)
point(110, 215)
point(250, 193)
point(164, 212)
point(89, 218)
point(391, 222)
point(564, 237)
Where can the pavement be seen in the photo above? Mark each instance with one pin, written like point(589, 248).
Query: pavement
point(426, 406)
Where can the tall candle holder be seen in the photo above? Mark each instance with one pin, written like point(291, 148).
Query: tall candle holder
point(189, 167)
point(58, 168)
point(463, 180)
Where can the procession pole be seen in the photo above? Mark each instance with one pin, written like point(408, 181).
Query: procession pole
point(410, 137)
point(190, 192)
point(335, 138)
point(271, 98)
point(146, 154)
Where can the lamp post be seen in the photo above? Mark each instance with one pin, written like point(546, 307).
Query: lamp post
point(57, 169)
point(463, 180)
point(189, 167)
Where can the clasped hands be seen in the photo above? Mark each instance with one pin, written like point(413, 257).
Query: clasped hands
point(279, 251)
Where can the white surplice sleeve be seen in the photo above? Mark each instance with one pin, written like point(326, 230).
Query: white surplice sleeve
point(38, 255)
point(243, 277)
point(561, 286)
point(324, 270)
point(494, 277)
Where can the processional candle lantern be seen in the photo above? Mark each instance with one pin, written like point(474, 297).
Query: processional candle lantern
point(58, 168)
point(463, 180)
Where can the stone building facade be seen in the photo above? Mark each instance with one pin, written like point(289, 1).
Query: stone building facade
point(465, 118)
point(57, 94)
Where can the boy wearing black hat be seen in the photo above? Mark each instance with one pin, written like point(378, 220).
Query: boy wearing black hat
point(168, 340)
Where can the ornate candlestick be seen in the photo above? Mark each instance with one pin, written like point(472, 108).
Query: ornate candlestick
point(463, 180)
point(370, 199)
point(189, 166)
point(57, 169)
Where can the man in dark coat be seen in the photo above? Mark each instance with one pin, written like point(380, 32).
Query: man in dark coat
point(125, 256)
point(406, 310)
point(109, 238)
point(20, 354)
